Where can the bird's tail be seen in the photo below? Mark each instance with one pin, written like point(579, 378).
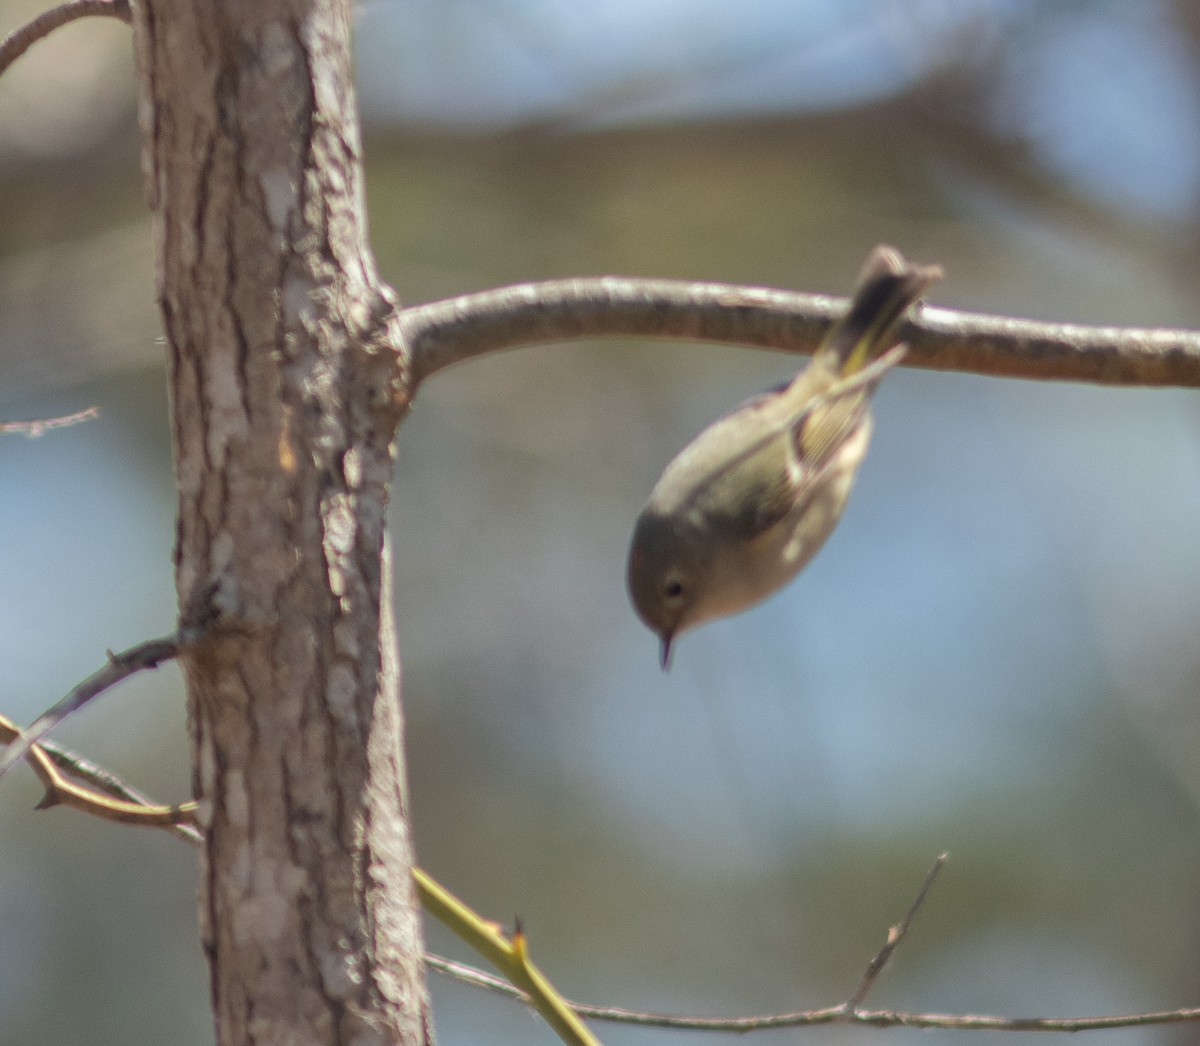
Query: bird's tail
point(889, 284)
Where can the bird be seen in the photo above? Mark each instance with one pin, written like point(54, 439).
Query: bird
point(748, 502)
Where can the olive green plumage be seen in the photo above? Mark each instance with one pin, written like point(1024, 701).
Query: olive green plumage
point(748, 502)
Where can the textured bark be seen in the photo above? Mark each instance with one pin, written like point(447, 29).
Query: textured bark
point(285, 396)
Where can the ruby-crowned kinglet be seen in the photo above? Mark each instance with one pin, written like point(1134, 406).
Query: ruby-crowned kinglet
point(749, 501)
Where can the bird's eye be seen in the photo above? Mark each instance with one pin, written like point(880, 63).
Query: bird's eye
point(673, 589)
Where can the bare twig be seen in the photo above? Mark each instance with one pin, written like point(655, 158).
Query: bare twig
point(446, 332)
point(149, 654)
point(37, 426)
point(97, 777)
point(105, 795)
point(827, 1015)
point(846, 1013)
point(984, 1022)
point(894, 937)
point(112, 800)
point(20, 40)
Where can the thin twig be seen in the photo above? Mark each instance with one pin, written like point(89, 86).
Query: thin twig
point(109, 783)
point(894, 937)
point(827, 1015)
point(508, 954)
point(112, 800)
point(985, 1022)
point(149, 654)
point(77, 766)
point(37, 426)
point(20, 40)
point(447, 332)
point(104, 795)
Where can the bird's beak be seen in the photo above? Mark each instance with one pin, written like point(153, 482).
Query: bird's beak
point(667, 637)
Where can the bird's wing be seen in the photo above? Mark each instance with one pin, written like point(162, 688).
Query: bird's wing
point(755, 486)
point(800, 466)
point(831, 416)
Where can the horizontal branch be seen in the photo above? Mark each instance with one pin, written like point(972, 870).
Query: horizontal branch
point(827, 1015)
point(848, 1012)
point(39, 426)
point(446, 332)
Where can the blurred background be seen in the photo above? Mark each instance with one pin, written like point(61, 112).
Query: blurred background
point(995, 655)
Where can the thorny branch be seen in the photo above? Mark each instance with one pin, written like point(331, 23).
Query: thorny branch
point(149, 654)
point(442, 333)
point(70, 780)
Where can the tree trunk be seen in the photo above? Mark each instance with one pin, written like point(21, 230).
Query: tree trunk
point(285, 399)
